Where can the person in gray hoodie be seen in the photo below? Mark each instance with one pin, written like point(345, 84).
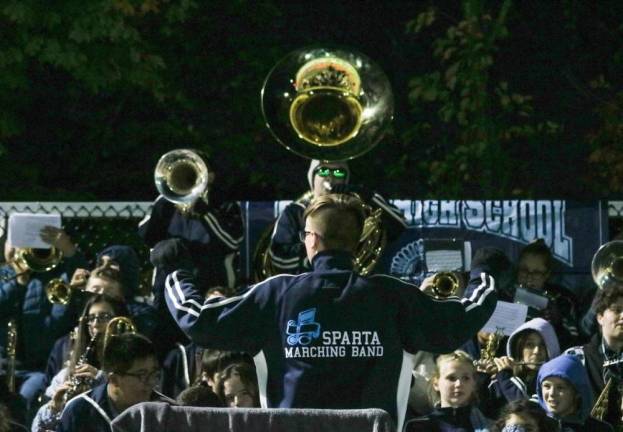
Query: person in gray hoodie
point(564, 392)
point(514, 375)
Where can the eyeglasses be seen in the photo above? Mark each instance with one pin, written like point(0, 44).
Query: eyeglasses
point(303, 235)
point(147, 378)
point(338, 173)
point(103, 317)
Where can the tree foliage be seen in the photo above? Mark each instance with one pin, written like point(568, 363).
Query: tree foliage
point(493, 99)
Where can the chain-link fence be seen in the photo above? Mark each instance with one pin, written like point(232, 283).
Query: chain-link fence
point(93, 226)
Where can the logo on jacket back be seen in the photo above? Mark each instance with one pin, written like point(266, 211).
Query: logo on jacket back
point(305, 330)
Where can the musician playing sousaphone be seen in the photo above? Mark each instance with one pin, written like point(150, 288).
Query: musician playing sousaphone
point(287, 252)
point(328, 105)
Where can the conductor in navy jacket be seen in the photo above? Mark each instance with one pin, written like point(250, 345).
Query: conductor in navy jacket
point(329, 338)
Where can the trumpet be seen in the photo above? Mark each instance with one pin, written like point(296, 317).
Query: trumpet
point(35, 260)
point(60, 292)
point(181, 177)
point(445, 284)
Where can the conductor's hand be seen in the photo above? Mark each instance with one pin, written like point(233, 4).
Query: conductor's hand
point(171, 254)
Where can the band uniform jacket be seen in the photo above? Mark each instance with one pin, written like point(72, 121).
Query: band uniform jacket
point(93, 411)
point(286, 251)
point(331, 338)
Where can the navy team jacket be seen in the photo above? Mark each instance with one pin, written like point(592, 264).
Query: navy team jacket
point(331, 338)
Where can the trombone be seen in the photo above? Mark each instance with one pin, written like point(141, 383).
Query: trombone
point(118, 326)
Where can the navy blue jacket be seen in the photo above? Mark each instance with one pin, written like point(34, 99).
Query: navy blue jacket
point(58, 355)
point(213, 236)
point(179, 369)
point(39, 322)
point(331, 338)
point(463, 419)
point(93, 411)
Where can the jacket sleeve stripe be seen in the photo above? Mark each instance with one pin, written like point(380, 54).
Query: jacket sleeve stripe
point(480, 294)
point(96, 406)
point(221, 233)
point(284, 262)
point(190, 306)
point(519, 383)
point(179, 300)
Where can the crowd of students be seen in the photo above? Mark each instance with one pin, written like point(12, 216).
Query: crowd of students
point(546, 376)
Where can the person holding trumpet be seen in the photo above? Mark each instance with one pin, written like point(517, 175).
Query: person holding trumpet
point(23, 281)
point(187, 208)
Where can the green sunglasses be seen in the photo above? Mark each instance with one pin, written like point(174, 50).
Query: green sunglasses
point(338, 173)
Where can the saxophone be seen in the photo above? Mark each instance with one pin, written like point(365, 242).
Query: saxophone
point(11, 350)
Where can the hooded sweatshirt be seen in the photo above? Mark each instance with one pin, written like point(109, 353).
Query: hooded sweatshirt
point(144, 316)
point(506, 386)
point(570, 369)
point(129, 265)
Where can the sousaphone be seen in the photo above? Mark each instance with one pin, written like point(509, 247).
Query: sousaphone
point(329, 104)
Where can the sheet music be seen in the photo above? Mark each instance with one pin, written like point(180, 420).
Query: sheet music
point(24, 229)
point(443, 260)
point(507, 317)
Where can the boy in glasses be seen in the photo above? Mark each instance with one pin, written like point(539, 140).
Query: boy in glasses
point(133, 372)
point(286, 250)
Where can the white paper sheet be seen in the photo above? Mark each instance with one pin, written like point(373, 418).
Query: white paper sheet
point(24, 229)
point(506, 317)
point(444, 260)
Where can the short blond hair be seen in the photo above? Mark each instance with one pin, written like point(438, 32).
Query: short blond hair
point(339, 219)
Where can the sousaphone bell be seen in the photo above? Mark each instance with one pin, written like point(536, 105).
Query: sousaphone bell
point(607, 264)
point(327, 104)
